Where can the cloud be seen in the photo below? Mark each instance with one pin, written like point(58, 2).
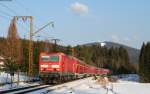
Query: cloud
point(79, 8)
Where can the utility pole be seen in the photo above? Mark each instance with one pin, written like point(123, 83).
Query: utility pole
point(55, 44)
point(31, 34)
point(30, 49)
point(47, 41)
point(73, 51)
point(30, 42)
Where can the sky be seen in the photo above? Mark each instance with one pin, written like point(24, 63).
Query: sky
point(81, 21)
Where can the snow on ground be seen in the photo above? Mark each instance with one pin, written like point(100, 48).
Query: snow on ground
point(127, 84)
point(89, 86)
point(6, 78)
point(129, 77)
point(14, 85)
point(131, 88)
point(83, 86)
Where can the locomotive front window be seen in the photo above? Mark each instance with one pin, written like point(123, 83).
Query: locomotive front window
point(45, 58)
point(54, 58)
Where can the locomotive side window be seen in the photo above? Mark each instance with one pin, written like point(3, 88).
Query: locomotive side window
point(54, 58)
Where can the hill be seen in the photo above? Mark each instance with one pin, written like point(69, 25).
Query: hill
point(133, 52)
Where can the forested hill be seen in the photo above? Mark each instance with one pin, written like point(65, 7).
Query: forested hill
point(132, 52)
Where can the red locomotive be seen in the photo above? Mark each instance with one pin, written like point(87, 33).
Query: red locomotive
point(60, 67)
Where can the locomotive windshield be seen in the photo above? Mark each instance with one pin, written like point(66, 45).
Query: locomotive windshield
point(50, 58)
point(45, 58)
point(54, 58)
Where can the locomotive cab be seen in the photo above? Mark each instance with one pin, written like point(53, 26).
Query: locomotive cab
point(49, 63)
point(49, 67)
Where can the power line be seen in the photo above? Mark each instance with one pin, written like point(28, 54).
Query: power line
point(55, 44)
point(5, 0)
point(6, 18)
point(14, 12)
point(23, 27)
point(8, 8)
point(26, 8)
point(22, 6)
point(29, 11)
point(9, 15)
point(5, 13)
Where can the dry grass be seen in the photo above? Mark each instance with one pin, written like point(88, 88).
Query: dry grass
point(105, 81)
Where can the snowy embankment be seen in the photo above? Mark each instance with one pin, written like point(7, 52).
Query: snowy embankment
point(6, 78)
point(83, 86)
point(89, 86)
point(129, 77)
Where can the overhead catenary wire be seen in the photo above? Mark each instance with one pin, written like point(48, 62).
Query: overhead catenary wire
point(4, 17)
point(30, 12)
point(7, 16)
point(5, 13)
point(15, 13)
point(23, 6)
point(23, 27)
point(11, 10)
point(10, 15)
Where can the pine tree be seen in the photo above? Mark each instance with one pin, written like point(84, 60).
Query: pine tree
point(68, 50)
point(144, 63)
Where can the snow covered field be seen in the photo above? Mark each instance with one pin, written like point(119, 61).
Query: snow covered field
point(127, 84)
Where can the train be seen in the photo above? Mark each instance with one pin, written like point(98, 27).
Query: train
point(59, 67)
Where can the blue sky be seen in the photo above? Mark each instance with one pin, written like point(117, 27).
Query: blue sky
point(82, 21)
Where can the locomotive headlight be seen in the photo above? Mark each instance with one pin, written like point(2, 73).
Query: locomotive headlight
point(55, 66)
point(44, 66)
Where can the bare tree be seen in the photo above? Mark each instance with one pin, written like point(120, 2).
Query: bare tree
point(13, 49)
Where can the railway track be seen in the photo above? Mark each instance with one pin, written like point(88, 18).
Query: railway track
point(25, 89)
point(31, 89)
